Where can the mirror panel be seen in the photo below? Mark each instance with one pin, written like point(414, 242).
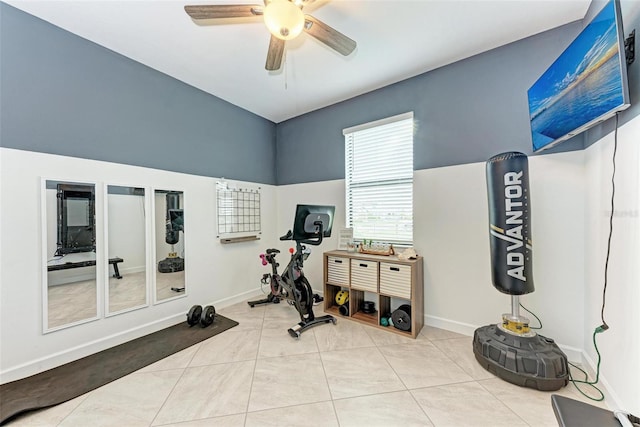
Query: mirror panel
point(70, 294)
point(169, 239)
point(126, 249)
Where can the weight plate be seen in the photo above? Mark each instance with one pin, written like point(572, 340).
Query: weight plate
point(208, 314)
point(344, 309)
point(193, 316)
point(402, 317)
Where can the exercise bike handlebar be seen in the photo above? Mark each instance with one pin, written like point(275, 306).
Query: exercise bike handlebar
point(288, 236)
point(315, 241)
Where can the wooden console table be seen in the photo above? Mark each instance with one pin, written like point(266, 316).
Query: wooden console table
point(383, 278)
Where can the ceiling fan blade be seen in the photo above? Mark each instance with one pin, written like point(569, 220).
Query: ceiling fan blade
point(223, 11)
point(275, 54)
point(329, 36)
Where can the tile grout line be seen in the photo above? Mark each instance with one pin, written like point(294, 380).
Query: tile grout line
point(501, 401)
point(184, 370)
point(255, 365)
point(326, 380)
point(424, 411)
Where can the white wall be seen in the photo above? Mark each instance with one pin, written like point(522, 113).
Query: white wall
point(126, 217)
point(570, 202)
point(212, 272)
point(451, 231)
point(620, 345)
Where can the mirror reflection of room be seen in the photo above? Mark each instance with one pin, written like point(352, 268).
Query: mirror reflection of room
point(126, 249)
point(71, 287)
point(170, 260)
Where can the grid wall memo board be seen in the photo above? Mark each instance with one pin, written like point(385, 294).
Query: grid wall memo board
point(238, 211)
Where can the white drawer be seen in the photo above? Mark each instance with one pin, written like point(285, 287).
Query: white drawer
point(395, 280)
point(364, 275)
point(338, 271)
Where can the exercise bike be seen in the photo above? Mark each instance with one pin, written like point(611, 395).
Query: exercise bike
point(271, 279)
point(312, 224)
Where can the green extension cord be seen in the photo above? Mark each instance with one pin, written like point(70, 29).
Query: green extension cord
point(586, 381)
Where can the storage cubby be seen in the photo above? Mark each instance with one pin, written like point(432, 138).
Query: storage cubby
point(375, 278)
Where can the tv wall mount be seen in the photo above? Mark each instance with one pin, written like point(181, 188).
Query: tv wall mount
point(630, 47)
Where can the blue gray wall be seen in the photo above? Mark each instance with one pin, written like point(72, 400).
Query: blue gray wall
point(62, 94)
point(465, 112)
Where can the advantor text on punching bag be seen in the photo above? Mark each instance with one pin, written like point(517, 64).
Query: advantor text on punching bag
point(510, 223)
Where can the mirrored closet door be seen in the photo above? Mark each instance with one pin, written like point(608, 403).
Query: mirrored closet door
point(169, 242)
point(70, 292)
point(126, 249)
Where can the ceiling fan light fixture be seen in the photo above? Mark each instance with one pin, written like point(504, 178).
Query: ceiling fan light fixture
point(284, 19)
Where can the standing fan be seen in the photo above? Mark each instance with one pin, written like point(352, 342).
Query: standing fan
point(285, 21)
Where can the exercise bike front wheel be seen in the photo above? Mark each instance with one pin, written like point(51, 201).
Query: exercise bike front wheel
point(294, 334)
point(295, 331)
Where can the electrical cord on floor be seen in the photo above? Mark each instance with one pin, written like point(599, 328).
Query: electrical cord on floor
point(574, 381)
point(534, 315)
point(586, 381)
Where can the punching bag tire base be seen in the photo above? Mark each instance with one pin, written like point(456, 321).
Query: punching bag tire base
point(534, 362)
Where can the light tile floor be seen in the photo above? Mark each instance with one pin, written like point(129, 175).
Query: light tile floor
point(344, 375)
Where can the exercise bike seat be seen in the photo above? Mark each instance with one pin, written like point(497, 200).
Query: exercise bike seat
point(272, 251)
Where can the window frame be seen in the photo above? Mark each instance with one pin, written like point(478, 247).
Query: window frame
point(400, 180)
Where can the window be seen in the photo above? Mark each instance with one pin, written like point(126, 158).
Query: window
point(379, 180)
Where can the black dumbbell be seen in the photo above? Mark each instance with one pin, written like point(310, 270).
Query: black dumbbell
point(207, 316)
point(194, 315)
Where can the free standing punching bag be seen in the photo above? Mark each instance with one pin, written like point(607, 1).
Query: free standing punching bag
point(172, 263)
point(510, 350)
point(509, 223)
point(173, 202)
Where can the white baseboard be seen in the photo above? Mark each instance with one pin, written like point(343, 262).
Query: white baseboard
point(235, 299)
point(574, 355)
point(130, 270)
point(40, 365)
point(51, 361)
point(450, 325)
point(610, 397)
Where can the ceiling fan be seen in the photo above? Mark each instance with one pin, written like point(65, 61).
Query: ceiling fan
point(284, 19)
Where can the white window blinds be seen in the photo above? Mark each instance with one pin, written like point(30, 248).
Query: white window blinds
point(379, 180)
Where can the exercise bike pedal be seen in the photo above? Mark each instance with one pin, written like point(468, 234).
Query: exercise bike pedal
point(317, 299)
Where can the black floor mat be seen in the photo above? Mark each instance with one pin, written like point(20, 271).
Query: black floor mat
point(73, 379)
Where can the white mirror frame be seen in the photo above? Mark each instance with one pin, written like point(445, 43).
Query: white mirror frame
point(44, 255)
point(148, 232)
point(154, 257)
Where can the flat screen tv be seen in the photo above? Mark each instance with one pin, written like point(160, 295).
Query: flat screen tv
point(586, 85)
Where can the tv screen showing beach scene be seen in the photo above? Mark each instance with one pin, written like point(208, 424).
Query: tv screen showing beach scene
point(585, 85)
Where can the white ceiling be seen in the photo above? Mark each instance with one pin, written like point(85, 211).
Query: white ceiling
point(396, 40)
